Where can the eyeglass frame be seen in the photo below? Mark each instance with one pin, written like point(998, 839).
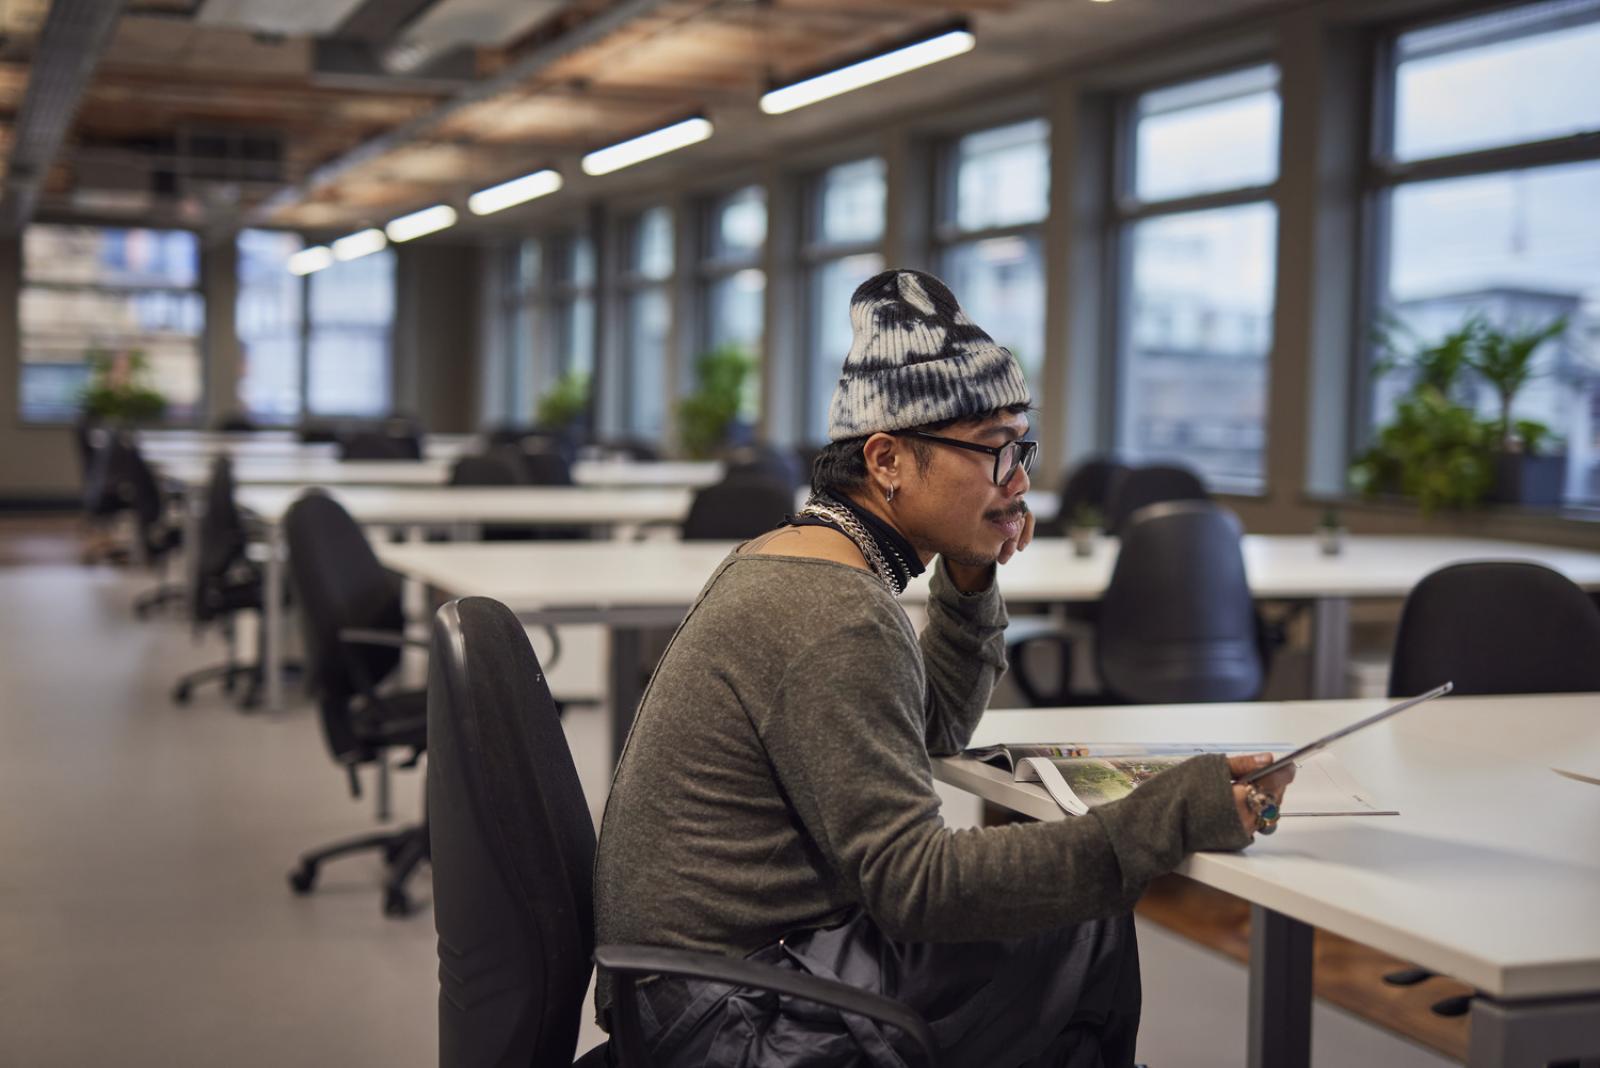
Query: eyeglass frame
point(1027, 450)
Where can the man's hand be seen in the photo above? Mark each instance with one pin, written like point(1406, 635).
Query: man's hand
point(1015, 545)
point(1273, 785)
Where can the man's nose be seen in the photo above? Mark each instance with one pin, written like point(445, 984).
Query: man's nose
point(1017, 484)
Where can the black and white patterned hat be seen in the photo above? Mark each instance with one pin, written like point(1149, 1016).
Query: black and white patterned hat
point(916, 359)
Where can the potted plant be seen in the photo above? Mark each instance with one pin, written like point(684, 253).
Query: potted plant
point(1435, 451)
point(118, 391)
point(708, 416)
point(1528, 469)
point(1330, 533)
point(1083, 527)
point(565, 407)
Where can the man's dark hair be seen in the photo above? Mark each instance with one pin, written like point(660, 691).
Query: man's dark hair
point(841, 466)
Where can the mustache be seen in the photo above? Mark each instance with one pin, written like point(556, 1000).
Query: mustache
point(1018, 509)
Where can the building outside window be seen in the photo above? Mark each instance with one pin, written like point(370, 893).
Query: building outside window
point(1487, 201)
point(522, 316)
point(843, 236)
point(733, 286)
point(574, 305)
point(120, 297)
point(270, 318)
point(1196, 246)
point(349, 362)
point(645, 286)
point(994, 194)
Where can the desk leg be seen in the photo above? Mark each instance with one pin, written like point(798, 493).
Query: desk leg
point(1508, 1034)
point(627, 647)
point(1330, 646)
point(272, 620)
point(1280, 990)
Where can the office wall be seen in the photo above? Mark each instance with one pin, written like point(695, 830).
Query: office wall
point(436, 350)
point(38, 464)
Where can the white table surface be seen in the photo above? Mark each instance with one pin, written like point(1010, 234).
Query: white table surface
point(529, 575)
point(445, 505)
point(643, 473)
point(274, 445)
point(1490, 874)
point(305, 471)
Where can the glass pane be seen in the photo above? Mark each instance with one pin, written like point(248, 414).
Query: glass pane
point(576, 325)
point(1002, 176)
point(850, 199)
point(267, 316)
point(649, 318)
point(1208, 135)
point(1192, 381)
point(1000, 284)
point(829, 333)
point(652, 244)
point(739, 225)
point(1519, 248)
point(1524, 74)
point(735, 315)
point(352, 313)
point(577, 260)
point(90, 255)
point(527, 266)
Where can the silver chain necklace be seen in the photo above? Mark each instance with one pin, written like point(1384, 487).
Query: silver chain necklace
point(821, 507)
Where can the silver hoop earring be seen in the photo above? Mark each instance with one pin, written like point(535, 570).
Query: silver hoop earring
point(888, 495)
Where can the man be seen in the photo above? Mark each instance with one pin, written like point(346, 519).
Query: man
point(775, 797)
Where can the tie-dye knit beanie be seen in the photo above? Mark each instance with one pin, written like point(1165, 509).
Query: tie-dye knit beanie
point(917, 359)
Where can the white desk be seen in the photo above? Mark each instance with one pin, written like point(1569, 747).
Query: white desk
point(652, 584)
point(612, 474)
point(1490, 874)
point(457, 509)
point(304, 471)
point(157, 445)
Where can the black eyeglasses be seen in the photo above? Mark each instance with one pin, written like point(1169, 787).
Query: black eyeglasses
point(1007, 458)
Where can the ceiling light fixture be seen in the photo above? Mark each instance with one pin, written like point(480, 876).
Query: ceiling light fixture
point(647, 146)
point(944, 46)
point(517, 191)
point(311, 259)
point(427, 221)
point(361, 243)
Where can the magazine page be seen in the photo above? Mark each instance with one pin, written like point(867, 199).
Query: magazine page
point(1009, 756)
point(1322, 786)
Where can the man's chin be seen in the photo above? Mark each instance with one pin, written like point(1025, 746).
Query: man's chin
point(970, 557)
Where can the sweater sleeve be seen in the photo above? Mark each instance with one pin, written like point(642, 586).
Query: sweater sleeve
point(964, 655)
point(845, 740)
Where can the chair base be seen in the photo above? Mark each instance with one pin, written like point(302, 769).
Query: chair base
point(403, 851)
point(160, 597)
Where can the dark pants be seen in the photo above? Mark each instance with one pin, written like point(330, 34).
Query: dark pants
point(1069, 998)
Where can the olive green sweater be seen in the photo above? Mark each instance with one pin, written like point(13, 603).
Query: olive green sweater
point(779, 775)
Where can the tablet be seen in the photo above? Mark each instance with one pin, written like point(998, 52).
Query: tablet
point(1360, 724)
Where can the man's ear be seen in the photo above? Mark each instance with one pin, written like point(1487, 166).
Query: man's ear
point(882, 454)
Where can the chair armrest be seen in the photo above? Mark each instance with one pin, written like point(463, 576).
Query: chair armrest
point(1024, 631)
point(362, 636)
point(628, 961)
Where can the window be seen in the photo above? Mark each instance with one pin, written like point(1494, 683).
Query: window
point(647, 321)
point(348, 362)
point(521, 318)
point(1512, 237)
point(733, 284)
point(574, 306)
point(1198, 243)
point(996, 193)
point(123, 298)
point(845, 230)
point(269, 316)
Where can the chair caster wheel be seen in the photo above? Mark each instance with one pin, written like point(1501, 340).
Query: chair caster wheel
point(303, 878)
point(1408, 977)
point(395, 904)
point(181, 694)
point(1456, 1006)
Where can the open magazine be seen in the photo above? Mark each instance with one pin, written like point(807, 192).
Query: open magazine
point(1081, 776)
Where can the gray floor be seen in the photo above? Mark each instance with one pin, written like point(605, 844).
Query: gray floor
point(144, 917)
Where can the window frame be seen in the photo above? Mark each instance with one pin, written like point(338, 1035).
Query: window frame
point(631, 283)
point(1125, 210)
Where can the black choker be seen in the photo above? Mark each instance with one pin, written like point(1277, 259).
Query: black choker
point(891, 557)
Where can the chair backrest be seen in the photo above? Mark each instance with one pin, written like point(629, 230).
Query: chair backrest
point(374, 445)
point(487, 470)
point(546, 469)
point(339, 584)
point(1497, 627)
point(764, 461)
point(223, 539)
point(738, 507)
point(1177, 622)
point(149, 507)
point(512, 848)
point(1133, 488)
point(1087, 486)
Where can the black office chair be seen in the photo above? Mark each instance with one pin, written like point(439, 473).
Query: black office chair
point(376, 445)
point(546, 469)
point(490, 469)
point(236, 423)
point(765, 461)
point(225, 583)
point(1493, 627)
point(738, 507)
point(158, 532)
point(353, 623)
point(1177, 622)
point(513, 860)
point(1133, 488)
point(1085, 487)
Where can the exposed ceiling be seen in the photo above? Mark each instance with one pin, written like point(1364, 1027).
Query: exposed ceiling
point(335, 114)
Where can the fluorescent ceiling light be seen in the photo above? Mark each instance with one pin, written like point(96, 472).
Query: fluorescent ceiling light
point(427, 221)
point(868, 71)
point(361, 243)
point(517, 191)
point(310, 259)
point(647, 146)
